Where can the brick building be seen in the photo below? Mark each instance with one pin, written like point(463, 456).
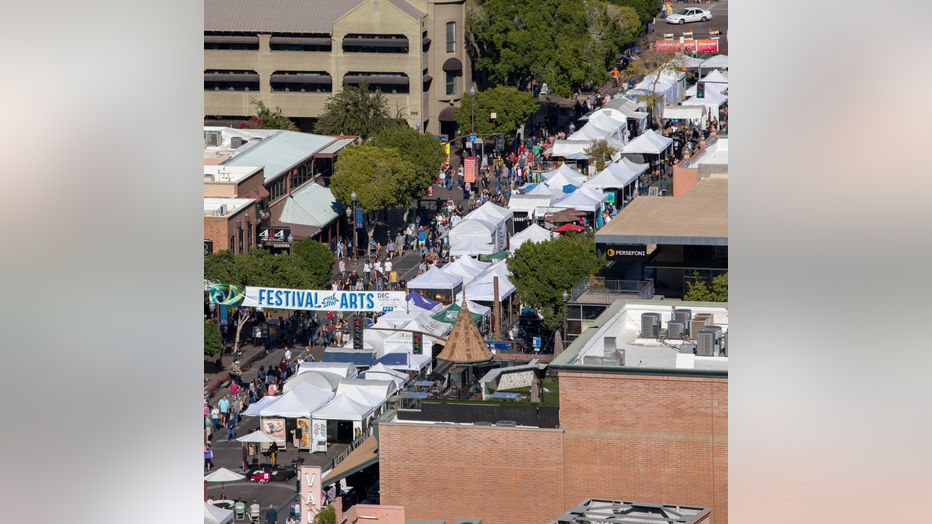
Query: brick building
point(638, 420)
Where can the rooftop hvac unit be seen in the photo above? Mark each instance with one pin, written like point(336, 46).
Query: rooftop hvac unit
point(689, 349)
point(236, 141)
point(506, 423)
point(725, 344)
point(697, 323)
point(676, 330)
point(650, 325)
point(616, 358)
point(223, 210)
point(212, 138)
point(684, 316)
point(208, 177)
point(482, 423)
point(709, 341)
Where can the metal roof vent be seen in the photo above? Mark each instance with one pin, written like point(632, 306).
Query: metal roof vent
point(650, 325)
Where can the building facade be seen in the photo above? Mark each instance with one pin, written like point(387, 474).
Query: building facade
point(294, 54)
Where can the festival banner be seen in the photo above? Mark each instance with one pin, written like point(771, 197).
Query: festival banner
point(304, 299)
point(226, 294)
point(704, 45)
point(471, 164)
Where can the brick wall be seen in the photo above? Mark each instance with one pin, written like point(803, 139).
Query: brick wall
point(503, 475)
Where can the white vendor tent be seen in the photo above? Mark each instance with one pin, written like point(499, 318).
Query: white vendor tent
point(256, 407)
point(382, 372)
point(320, 379)
point(401, 358)
point(649, 143)
point(567, 172)
point(543, 190)
point(473, 227)
point(698, 115)
point(380, 388)
point(436, 279)
point(614, 176)
point(500, 217)
point(300, 402)
point(344, 408)
point(215, 515)
point(485, 291)
point(467, 268)
point(565, 148)
point(344, 369)
point(713, 99)
point(470, 247)
point(581, 201)
point(632, 166)
point(365, 398)
point(715, 62)
point(533, 233)
point(529, 203)
point(715, 77)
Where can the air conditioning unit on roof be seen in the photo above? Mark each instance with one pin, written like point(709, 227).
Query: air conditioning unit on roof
point(650, 325)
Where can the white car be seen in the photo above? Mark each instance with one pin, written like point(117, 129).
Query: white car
point(689, 14)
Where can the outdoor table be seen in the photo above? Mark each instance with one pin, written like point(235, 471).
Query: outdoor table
point(506, 396)
point(423, 384)
point(414, 396)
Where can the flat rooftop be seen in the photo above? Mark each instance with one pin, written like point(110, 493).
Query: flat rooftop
point(698, 218)
point(624, 512)
point(715, 154)
point(229, 174)
point(622, 320)
point(233, 205)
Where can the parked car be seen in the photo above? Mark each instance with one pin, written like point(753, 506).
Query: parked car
point(689, 14)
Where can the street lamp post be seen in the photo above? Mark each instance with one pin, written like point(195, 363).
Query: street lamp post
point(259, 113)
point(566, 298)
point(417, 125)
point(290, 244)
point(472, 96)
point(353, 225)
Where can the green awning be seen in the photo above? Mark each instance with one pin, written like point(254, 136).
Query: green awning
point(449, 314)
point(497, 256)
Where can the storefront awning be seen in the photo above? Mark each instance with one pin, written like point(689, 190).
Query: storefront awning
point(452, 64)
point(220, 77)
point(376, 80)
point(302, 79)
point(375, 42)
point(447, 115)
point(278, 40)
point(361, 458)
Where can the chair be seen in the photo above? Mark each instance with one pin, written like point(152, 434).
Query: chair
point(254, 515)
point(240, 509)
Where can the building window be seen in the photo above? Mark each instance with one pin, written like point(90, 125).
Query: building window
point(301, 82)
point(231, 41)
point(370, 43)
point(451, 37)
point(314, 42)
point(231, 80)
point(278, 189)
point(451, 82)
point(389, 83)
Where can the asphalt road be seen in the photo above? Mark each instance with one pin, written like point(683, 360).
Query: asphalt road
point(719, 22)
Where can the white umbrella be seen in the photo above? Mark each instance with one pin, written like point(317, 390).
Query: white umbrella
point(223, 475)
point(215, 515)
point(258, 436)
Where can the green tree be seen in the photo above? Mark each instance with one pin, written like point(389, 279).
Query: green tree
point(213, 342)
point(357, 111)
point(707, 290)
point(270, 119)
point(327, 515)
point(542, 271)
point(565, 44)
point(601, 153)
point(629, 22)
point(380, 178)
point(316, 260)
point(645, 10)
point(424, 152)
point(511, 107)
point(651, 64)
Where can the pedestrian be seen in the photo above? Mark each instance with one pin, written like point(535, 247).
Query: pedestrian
point(342, 268)
point(208, 457)
point(443, 178)
point(271, 516)
point(339, 249)
point(231, 428)
point(393, 280)
point(234, 387)
point(224, 406)
point(273, 453)
point(287, 354)
point(390, 248)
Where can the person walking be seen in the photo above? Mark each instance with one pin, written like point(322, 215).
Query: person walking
point(224, 406)
point(231, 428)
point(208, 457)
point(271, 516)
point(215, 417)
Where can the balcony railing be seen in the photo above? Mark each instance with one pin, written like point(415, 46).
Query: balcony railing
point(610, 289)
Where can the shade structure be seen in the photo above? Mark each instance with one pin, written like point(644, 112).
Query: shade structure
point(485, 291)
point(300, 402)
point(564, 170)
point(379, 387)
point(343, 408)
point(632, 166)
point(402, 359)
point(345, 370)
point(465, 344)
point(381, 372)
point(261, 438)
point(649, 143)
point(222, 475)
point(716, 62)
point(320, 379)
point(714, 98)
point(417, 300)
point(560, 180)
point(532, 233)
point(264, 402)
point(434, 279)
point(543, 190)
point(569, 227)
point(215, 515)
point(471, 247)
point(615, 175)
point(451, 313)
point(447, 114)
point(715, 77)
point(466, 267)
point(365, 398)
point(582, 201)
point(474, 227)
point(563, 217)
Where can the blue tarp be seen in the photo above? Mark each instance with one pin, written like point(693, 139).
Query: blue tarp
point(393, 359)
point(358, 359)
point(424, 303)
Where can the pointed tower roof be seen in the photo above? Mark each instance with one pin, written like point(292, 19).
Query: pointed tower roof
point(464, 344)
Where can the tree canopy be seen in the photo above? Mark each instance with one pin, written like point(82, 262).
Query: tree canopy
point(258, 267)
point(213, 342)
point(270, 119)
point(542, 271)
point(707, 290)
point(316, 259)
point(650, 64)
point(424, 152)
point(565, 44)
point(601, 153)
point(378, 175)
point(511, 107)
point(357, 111)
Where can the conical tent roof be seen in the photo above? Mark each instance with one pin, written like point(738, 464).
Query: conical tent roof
point(465, 344)
point(564, 170)
point(715, 77)
point(532, 233)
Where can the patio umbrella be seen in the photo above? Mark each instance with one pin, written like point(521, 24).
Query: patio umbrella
point(500, 255)
point(561, 217)
point(259, 438)
point(223, 475)
point(569, 227)
point(575, 212)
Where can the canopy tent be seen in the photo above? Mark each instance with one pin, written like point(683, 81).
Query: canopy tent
point(568, 148)
point(215, 515)
point(340, 368)
point(696, 114)
point(473, 228)
point(465, 267)
point(260, 438)
point(484, 291)
point(713, 99)
point(542, 190)
point(649, 143)
point(402, 359)
point(567, 172)
point(357, 357)
point(533, 233)
point(529, 203)
point(689, 61)
point(416, 300)
point(632, 166)
point(500, 217)
point(450, 313)
point(470, 247)
point(364, 397)
point(715, 77)
point(434, 279)
point(343, 407)
point(560, 182)
point(716, 62)
point(596, 194)
point(381, 372)
point(378, 387)
point(582, 201)
point(569, 227)
point(300, 402)
point(578, 156)
point(321, 379)
point(264, 402)
point(614, 176)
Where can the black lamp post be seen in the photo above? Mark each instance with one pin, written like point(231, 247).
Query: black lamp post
point(351, 213)
point(566, 298)
point(259, 113)
point(472, 96)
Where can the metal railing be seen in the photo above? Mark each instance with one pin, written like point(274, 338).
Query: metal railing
point(349, 449)
point(610, 288)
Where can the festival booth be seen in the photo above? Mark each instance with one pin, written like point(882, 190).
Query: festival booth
point(533, 233)
point(485, 231)
point(542, 189)
point(502, 217)
point(342, 369)
point(215, 515)
point(715, 62)
point(381, 388)
point(417, 302)
point(618, 181)
point(466, 267)
point(361, 358)
point(342, 420)
point(437, 284)
point(650, 143)
point(471, 247)
point(401, 359)
point(585, 199)
point(715, 77)
point(264, 402)
point(563, 175)
point(569, 148)
point(382, 372)
point(321, 379)
point(697, 116)
point(482, 290)
point(715, 97)
point(430, 328)
point(297, 405)
point(524, 208)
